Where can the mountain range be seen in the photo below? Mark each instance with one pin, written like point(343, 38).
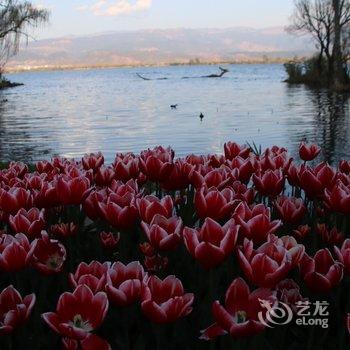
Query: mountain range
point(162, 47)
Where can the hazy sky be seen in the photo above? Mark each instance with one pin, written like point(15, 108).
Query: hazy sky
point(79, 17)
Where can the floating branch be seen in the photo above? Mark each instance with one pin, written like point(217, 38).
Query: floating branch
point(223, 71)
point(219, 75)
point(144, 78)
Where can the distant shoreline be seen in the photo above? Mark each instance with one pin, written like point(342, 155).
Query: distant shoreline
point(174, 64)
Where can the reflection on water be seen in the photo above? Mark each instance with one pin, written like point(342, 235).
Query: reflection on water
point(329, 125)
point(334, 122)
point(73, 112)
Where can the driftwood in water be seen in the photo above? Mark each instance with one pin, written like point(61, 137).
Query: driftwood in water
point(223, 71)
point(140, 76)
point(219, 75)
point(144, 78)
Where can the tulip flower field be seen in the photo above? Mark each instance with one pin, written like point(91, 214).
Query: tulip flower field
point(158, 252)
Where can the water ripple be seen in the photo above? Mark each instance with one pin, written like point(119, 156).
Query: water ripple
point(73, 112)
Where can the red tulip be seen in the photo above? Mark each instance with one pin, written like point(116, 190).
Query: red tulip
point(117, 216)
point(157, 164)
point(65, 230)
point(147, 249)
point(239, 316)
point(214, 204)
point(308, 152)
point(14, 310)
point(92, 204)
point(19, 168)
point(47, 255)
point(315, 181)
point(255, 223)
point(302, 231)
point(289, 243)
point(244, 166)
point(293, 173)
point(265, 266)
point(164, 301)
point(29, 222)
point(120, 212)
point(149, 206)
point(90, 342)
point(289, 293)
point(71, 171)
point(216, 160)
point(109, 240)
point(44, 167)
point(13, 252)
point(270, 183)
point(275, 150)
point(246, 212)
point(155, 263)
point(196, 160)
point(72, 191)
point(104, 176)
point(124, 283)
point(343, 178)
point(119, 208)
point(344, 166)
point(338, 199)
point(69, 344)
point(34, 181)
point(330, 237)
point(93, 275)
point(46, 195)
point(343, 255)
point(271, 161)
point(163, 234)
point(12, 200)
point(78, 313)
point(93, 342)
point(243, 193)
point(321, 273)
point(126, 167)
point(208, 177)
point(290, 209)
point(179, 177)
point(326, 174)
point(62, 163)
point(233, 150)
point(7, 175)
point(92, 161)
point(213, 243)
point(124, 193)
point(311, 184)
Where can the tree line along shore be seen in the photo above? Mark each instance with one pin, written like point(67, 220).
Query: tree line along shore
point(260, 60)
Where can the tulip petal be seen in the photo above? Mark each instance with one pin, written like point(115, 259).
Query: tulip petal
point(93, 342)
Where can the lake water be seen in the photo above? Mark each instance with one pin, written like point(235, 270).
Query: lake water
point(70, 113)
